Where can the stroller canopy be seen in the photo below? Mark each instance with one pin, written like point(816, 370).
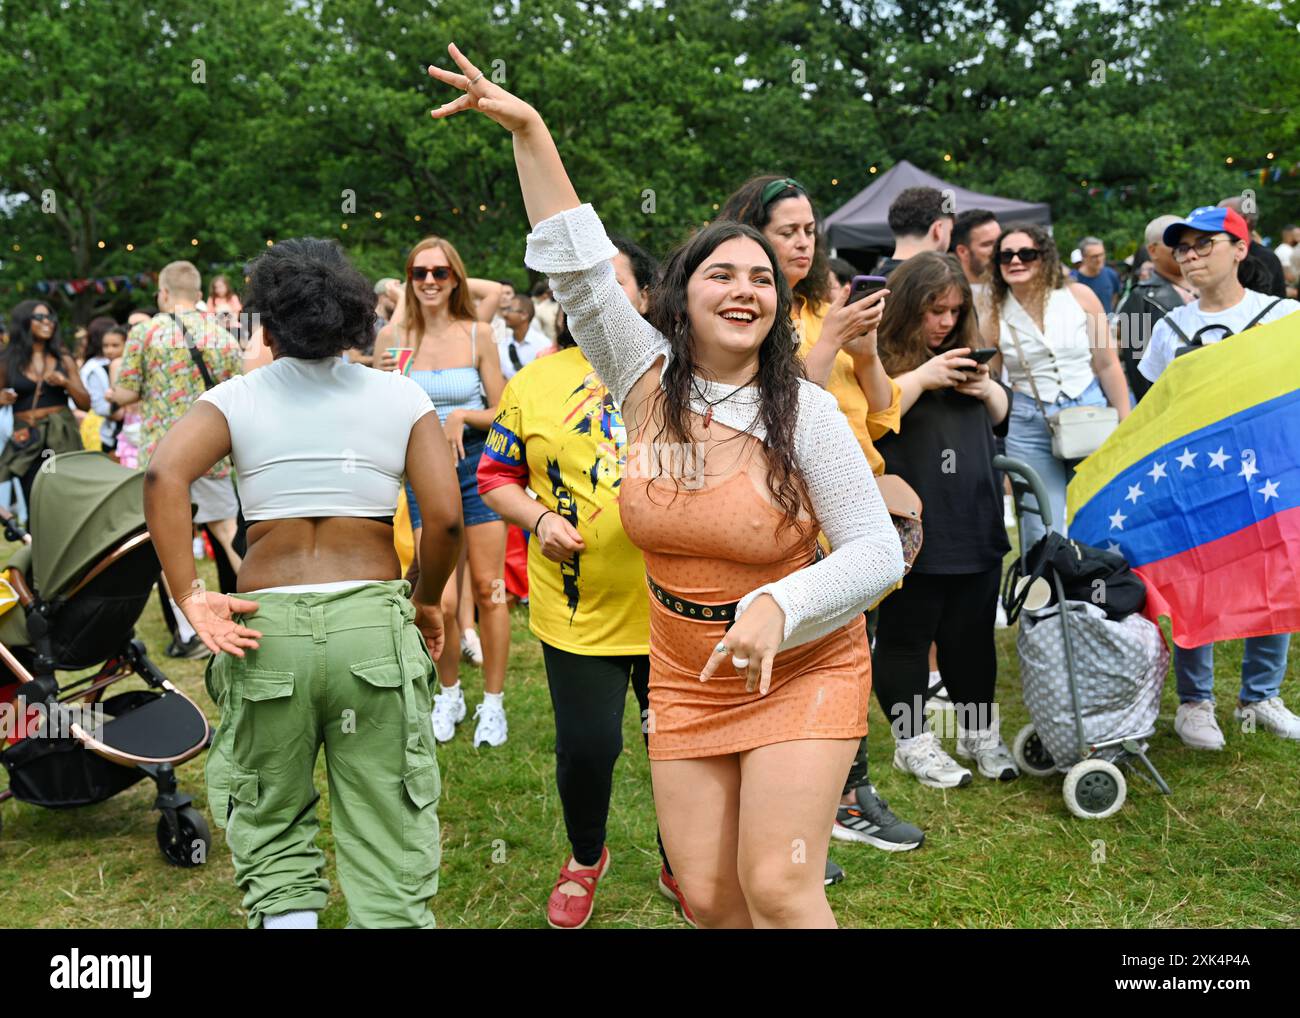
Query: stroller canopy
point(82, 505)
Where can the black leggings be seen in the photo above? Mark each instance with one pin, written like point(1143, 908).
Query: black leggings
point(956, 613)
point(588, 694)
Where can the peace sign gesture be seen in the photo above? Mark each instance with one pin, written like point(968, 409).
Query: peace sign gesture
point(488, 98)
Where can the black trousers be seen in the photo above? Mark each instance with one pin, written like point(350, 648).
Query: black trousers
point(956, 613)
point(588, 694)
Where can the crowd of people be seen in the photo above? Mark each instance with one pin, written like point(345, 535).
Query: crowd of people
point(707, 455)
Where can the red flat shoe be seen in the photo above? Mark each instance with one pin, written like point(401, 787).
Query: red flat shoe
point(669, 889)
point(571, 911)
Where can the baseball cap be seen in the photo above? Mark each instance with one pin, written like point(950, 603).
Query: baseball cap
point(1211, 219)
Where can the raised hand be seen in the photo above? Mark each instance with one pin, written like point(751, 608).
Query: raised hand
point(488, 98)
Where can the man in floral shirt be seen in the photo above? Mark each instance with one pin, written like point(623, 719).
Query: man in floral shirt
point(159, 371)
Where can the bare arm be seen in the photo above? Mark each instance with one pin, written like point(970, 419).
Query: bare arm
point(1104, 356)
point(433, 479)
point(73, 383)
point(187, 452)
point(487, 298)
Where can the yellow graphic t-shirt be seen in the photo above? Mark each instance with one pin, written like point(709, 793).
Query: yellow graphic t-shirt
point(558, 431)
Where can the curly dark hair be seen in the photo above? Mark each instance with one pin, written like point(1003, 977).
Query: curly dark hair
point(745, 205)
point(914, 210)
point(1048, 278)
point(311, 300)
point(18, 352)
point(779, 366)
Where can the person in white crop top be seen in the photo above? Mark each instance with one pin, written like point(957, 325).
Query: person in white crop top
point(1055, 331)
point(327, 648)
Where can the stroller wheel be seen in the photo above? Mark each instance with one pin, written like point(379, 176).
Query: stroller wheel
point(1031, 755)
point(1094, 789)
point(192, 841)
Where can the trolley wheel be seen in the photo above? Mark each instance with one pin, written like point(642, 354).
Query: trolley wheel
point(191, 830)
point(1094, 789)
point(1031, 755)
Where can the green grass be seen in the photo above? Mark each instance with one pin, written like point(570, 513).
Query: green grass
point(1222, 851)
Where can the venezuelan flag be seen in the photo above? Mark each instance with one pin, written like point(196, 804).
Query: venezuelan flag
point(1199, 489)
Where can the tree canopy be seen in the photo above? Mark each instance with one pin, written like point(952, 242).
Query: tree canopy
point(132, 134)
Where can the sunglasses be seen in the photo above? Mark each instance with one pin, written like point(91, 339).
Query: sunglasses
point(42, 317)
point(441, 273)
point(1025, 254)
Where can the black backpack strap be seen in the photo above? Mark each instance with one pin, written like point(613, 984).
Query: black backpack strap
point(1169, 321)
point(1260, 317)
point(196, 354)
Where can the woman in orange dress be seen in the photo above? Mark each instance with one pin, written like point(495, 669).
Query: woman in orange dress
point(759, 672)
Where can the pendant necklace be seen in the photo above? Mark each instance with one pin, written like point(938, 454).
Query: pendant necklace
point(708, 414)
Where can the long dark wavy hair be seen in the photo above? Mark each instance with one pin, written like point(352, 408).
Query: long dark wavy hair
point(18, 354)
point(1049, 275)
point(745, 205)
point(913, 287)
point(779, 367)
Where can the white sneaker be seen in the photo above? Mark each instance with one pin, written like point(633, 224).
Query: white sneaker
point(924, 759)
point(491, 726)
point(935, 689)
point(448, 711)
point(1197, 726)
point(1272, 716)
point(1000, 620)
point(989, 752)
point(471, 648)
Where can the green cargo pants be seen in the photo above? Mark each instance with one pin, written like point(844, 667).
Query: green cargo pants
point(350, 670)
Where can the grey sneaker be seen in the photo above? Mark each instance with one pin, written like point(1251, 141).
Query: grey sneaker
point(925, 760)
point(834, 874)
point(1272, 716)
point(989, 752)
point(1197, 726)
point(872, 822)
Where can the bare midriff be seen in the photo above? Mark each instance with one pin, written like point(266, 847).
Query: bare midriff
point(317, 550)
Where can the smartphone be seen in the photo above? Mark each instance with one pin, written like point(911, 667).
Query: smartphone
point(982, 355)
point(864, 286)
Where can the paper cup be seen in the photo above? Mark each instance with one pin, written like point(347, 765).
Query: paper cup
point(1040, 593)
point(403, 354)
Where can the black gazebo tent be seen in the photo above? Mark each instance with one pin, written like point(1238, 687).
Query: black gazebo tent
point(863, 221)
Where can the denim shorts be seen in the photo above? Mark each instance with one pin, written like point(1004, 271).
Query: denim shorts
point(473, 509)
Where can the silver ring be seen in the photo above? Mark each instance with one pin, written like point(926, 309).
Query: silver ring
point(721, 648)
point(740, 662)
point(480, 74)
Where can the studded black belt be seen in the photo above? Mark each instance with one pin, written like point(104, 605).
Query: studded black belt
point(693, 609)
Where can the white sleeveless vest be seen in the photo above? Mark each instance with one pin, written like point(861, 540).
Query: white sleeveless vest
point(1059, 356)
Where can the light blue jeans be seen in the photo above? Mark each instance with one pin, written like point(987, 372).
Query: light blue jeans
point(1029, 440)
point(1263, 666)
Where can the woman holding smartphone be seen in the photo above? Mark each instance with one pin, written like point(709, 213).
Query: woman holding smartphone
point(759, 675)
point(456, 362)
point(952, 409)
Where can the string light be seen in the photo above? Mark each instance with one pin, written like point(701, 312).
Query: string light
point(100, 245)
point(482, 208)
point(269, 243)
point(873, 169)
point(343, 226)
point(835, 182)
point(40, 258)
point(130, 247)
point(194, 242)
point(1270, 155)
point(18, 247)
point(715, 206)
point(455, 212)
point(947, 157)
point(379, 215)
point(1228, 160)
point(417, 219)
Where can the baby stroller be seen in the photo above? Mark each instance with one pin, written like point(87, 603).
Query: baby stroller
point(1097, 711)
point(82, 579)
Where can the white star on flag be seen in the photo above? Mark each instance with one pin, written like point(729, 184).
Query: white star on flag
point(1156, 472)
point(1269, 490)
point(1217, 459)
point(1117, 520)
point(1187, 459)
point(1248, 469)
point(1113, 548)
point(1134, 493)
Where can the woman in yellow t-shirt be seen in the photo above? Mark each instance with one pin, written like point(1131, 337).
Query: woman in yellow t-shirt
point(559, 432)
point(837, 342)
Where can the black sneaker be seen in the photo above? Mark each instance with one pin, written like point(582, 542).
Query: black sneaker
point(193, 648)
point(834, 874)
point(873, 823)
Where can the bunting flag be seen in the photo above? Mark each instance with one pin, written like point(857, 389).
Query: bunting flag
point(1199, 489)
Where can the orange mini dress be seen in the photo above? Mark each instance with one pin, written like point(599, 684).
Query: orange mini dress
point(712, 546)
